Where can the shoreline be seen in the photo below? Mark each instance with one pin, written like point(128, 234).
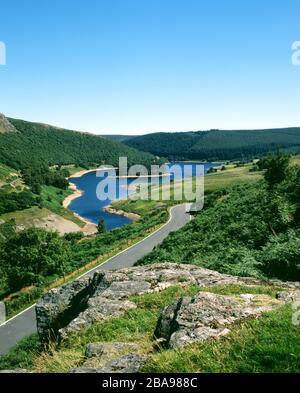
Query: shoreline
point(85, 171)
point(67, 201)
point(75, 194)
point(118, 212)
point(108, 209)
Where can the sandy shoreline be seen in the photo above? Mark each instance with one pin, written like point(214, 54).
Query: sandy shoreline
point(108, 209)
point(85, 171)
point(90, 226)
point(76, 194)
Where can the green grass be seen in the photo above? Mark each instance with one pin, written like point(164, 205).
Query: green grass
point(52, 203)
point(269, 343)
point(27, 216)
point(296, 160)
point(229, 177)
point(5, 171)
point(23, 355)
point(212, 182)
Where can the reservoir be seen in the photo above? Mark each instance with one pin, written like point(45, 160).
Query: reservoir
point(90, 207)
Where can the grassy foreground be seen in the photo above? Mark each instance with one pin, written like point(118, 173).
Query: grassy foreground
point(266, 344)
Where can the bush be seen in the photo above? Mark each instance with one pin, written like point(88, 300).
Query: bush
point(281, 257)
point(32, 255)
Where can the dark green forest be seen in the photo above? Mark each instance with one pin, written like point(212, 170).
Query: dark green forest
point(37, 257)
point(35, 144)
point(217, 144)
point(246, 230)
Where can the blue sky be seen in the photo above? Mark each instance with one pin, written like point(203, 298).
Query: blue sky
point(137, 66)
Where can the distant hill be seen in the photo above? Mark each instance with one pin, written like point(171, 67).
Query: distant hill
point(117, 137)
point(217, 144)
point(35, 143)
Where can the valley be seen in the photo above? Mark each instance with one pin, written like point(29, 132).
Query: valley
point(251, 246)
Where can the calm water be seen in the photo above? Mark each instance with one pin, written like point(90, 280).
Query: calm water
point(90, 207)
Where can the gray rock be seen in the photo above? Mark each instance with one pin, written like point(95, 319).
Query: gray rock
point(99, 309)
point(78, 304)
point(107, 349)
point(121, 289)
point(61, 305)
point(130, 363)
point(288, 297)
point(98, 355)
point(207, 315)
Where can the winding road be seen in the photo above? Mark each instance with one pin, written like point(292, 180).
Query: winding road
point(24, 324)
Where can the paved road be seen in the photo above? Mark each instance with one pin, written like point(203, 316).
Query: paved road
point(24, 324)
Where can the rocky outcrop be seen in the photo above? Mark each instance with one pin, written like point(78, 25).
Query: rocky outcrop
point(105, 295)
point(5, 125)
point(207, 315)
point(113, 357)
point(60, 306)
point(289, 297)
point(130, 363)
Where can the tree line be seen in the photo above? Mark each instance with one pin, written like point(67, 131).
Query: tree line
point(217, 144)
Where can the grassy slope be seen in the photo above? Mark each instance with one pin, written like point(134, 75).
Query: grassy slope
point(212, 182)
point(251, 347)
point(255, 345)
point(27, 217)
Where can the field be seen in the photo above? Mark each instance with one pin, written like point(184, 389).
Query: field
point(212, 182)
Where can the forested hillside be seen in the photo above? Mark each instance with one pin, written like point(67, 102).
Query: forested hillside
point(117, 137)
point(217, 144)
point(248, 230)
point(35, 143)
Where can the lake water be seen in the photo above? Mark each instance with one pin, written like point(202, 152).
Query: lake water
point(90, 207)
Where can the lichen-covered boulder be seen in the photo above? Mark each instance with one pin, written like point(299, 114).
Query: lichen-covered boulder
point(103, 296)
point(207, 315)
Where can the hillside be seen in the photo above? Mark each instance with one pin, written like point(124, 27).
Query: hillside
point(217, 144)
point(118, 137)
point(162, 318)
point(249, 229)
point(36, 143)
point(5, 125)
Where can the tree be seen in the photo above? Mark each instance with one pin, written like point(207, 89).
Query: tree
point(32, 255)
point(101, 226)
point(36, 188)
point(277, 168)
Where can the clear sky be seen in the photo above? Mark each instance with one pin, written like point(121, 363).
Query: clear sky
point(137, 66)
